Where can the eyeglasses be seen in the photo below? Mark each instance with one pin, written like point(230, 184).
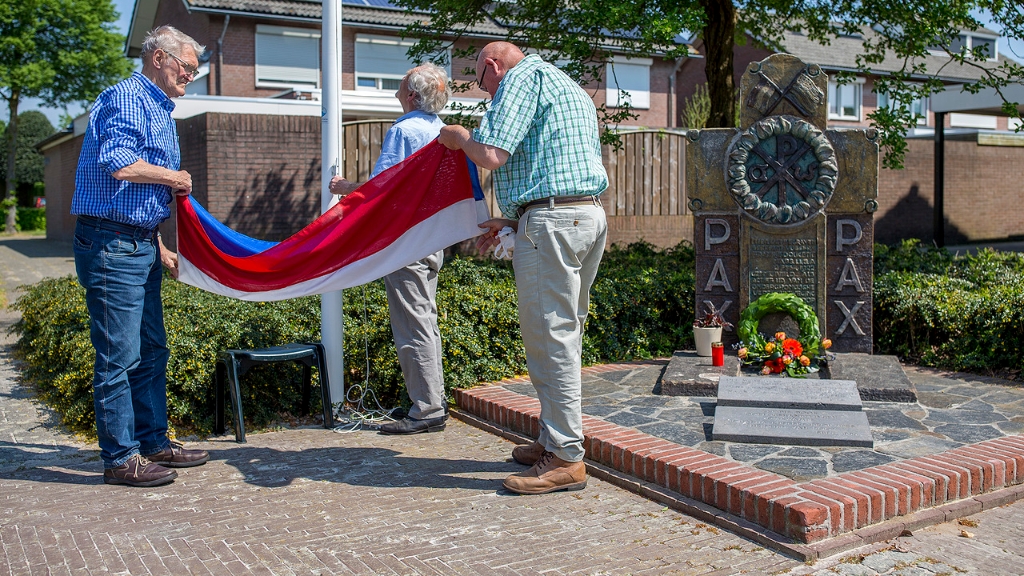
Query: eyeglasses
point(188, 68)
point(483, 75)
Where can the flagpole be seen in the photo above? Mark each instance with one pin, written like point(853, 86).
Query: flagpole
point(332, 327)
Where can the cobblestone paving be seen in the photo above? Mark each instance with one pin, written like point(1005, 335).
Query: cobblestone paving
point(953, 410)
point(987, 544)
point(310, 501)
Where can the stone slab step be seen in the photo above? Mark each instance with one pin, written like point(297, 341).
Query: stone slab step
point(792, 427)
point(764, 392)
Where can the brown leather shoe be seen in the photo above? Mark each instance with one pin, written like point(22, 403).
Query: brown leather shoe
point(549, 474)
point(176, 456)
point(527, 454)
point(140, 472)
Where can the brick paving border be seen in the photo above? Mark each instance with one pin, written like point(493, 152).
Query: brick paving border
point(827, 515)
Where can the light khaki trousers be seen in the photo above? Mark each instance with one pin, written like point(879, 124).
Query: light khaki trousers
point(557, 254)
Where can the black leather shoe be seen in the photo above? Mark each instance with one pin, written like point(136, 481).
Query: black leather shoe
point(409, 425)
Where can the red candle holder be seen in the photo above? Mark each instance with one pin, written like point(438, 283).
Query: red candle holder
point(717, 354)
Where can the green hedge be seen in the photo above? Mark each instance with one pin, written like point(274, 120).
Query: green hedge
point(641, 306)
point(31, 219)
point(952, 312)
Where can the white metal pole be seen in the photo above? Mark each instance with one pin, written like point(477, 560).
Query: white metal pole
point(332, 326)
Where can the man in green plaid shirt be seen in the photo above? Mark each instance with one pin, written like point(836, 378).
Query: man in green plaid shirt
point(540, 138)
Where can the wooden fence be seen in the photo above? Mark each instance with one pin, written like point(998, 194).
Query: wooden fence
point(645, 200)
point(646, 196)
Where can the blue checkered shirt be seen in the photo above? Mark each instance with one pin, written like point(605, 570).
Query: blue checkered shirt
point(549, 126)
point(130, 121)
point(408, 134)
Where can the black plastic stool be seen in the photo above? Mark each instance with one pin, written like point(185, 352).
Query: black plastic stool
point(233, 364)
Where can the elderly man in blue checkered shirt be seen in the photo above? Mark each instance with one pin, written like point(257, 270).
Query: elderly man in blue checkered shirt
point(540, 137)
point(127, 173)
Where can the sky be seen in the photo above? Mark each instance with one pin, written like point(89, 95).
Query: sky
point(1012, 49)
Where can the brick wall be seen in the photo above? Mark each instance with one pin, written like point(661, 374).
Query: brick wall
point(263, 172)
point(981, 200)
point(59, 176)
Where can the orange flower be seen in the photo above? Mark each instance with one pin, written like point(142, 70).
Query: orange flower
point(805, 361)
point(792, 347)
point(769, 347)
point(780, 336)
point(742, 352)
point(826, 343)
point(787, 359)
point(766, 370)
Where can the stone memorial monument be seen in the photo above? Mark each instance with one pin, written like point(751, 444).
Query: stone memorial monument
point(784, 204)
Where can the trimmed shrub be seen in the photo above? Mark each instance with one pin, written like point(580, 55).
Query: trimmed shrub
point(641, 306)
point(952, 312)
point(31, 219)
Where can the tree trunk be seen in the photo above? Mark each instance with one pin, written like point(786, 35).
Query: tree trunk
point(12, 150)
point(719, 36)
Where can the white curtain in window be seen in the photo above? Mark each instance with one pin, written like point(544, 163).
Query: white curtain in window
point(287, 55)
point(629, 81)
point(844, 101)
point(382, 57)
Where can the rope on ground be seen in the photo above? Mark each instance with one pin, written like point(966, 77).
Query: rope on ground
point(357, 412)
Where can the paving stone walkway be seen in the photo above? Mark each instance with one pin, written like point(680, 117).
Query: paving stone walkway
point(312, 501)
point(953, 410)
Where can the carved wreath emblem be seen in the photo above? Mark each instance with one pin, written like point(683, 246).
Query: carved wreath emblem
point(782, 170)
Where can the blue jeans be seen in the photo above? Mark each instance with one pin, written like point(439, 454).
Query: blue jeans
point(119, 267)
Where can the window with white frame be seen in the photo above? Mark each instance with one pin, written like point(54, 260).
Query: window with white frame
point(628, 80)
point(844, 101)
point(287, 57)
point(381, 62)
point(988, 45)
point(919, 107)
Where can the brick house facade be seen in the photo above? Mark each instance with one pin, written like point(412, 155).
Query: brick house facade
point(259, 170)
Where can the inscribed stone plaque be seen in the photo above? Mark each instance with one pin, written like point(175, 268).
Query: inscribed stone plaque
point(792, 427)
point(849, 282)
point(784, 259)
point(760, 392)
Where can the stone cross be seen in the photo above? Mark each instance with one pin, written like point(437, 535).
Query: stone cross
point(783, 204)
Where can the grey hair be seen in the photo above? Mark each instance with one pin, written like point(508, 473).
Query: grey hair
point(430, 84)
point(169, 39)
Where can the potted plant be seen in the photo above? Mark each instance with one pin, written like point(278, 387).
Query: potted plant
point(707, 328)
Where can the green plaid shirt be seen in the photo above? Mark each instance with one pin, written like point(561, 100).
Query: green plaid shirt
point(548, 124)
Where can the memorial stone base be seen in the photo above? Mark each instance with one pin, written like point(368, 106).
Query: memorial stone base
point(790, 411)
point(878, 378)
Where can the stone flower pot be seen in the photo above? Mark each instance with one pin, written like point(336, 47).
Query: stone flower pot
point(703, 337)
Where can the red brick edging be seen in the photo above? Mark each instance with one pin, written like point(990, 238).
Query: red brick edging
point(804, 511)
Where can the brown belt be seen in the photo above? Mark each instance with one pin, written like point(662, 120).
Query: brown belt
point(553, 201)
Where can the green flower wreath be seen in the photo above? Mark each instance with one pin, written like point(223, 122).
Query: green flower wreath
point(798, 310)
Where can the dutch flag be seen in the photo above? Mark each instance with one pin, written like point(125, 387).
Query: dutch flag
point(423, 204)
